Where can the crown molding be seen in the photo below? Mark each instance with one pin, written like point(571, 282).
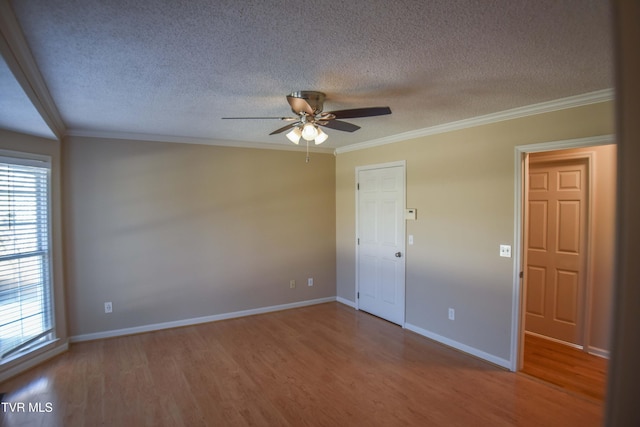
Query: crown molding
point(16, 53)
point(515, 113)
point(530, 110)
point(567, 144)
point(131, 136)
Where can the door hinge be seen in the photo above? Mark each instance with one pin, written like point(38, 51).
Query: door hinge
point(358, 186)
point(358, 240)
point(358, 295)
point(521, 274)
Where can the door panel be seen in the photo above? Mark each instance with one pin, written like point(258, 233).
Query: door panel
point(569, 226)
point(538, 225)
point(388, 273)
point(556, 244)
point(381, 237)
point(566, 309)
point(389, 223)
point(368, 270)
point(536, 290)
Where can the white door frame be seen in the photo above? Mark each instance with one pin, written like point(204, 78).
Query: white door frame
point(403, 164)
point(521, 151)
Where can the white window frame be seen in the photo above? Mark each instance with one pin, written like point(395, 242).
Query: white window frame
point(49, 335)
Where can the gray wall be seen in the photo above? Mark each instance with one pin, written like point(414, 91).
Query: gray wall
point(169, 232)
point(462, 184)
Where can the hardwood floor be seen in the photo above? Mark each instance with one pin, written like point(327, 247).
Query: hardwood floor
point(323, 365)
point(565, 366)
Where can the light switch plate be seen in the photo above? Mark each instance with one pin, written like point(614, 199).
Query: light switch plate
point(505, 251)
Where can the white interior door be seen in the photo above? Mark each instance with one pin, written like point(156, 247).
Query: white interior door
point(381, 245)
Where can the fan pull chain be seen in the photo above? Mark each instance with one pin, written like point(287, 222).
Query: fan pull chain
point(307, 159)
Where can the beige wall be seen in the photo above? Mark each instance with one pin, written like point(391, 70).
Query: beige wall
point(462, 184)
point(169, 232)
point(602, 242)
point(36, 145)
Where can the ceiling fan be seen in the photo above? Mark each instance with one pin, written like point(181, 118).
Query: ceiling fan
point(307, 106)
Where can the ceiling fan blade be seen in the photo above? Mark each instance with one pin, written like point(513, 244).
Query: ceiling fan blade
point(299, 105)
point(283, 128)
point(260, 118)
point(340, 125)
point(361, 112)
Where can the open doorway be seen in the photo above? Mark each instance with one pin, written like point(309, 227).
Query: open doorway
point(566, 258)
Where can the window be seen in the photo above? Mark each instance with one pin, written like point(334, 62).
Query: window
point(26, 309)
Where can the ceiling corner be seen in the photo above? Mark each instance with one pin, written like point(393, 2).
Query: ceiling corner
point(17, 55)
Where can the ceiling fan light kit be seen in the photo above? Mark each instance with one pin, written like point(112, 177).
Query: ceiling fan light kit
point(309, 131)
point(307, 105)
point(295, 135)
point(321, 137)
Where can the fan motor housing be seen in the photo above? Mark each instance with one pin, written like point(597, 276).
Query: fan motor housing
point(313, 98)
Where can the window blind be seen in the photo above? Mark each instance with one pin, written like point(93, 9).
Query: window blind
point(25, 285)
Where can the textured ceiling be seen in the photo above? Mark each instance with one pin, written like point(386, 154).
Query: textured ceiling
point(174, 68)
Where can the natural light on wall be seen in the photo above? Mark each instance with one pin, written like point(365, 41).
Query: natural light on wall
point(26, 318)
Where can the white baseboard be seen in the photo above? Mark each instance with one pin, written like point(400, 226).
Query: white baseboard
point(346, 302)
point(30, 363)
point(459, 346)
point(194, 321)
point(600, 352)
point(544, 337)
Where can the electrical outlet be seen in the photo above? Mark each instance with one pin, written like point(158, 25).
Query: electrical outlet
point(452, 314)
point(310, 281)
point(292, 284)
point(108, 307)
point(505, 251)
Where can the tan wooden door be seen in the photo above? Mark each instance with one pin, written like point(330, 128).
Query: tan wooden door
point(556, 244)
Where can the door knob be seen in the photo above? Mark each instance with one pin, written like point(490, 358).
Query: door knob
point(398, 254)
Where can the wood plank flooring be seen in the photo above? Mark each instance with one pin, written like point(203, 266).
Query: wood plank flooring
point(565, 366)
point(323, 365)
